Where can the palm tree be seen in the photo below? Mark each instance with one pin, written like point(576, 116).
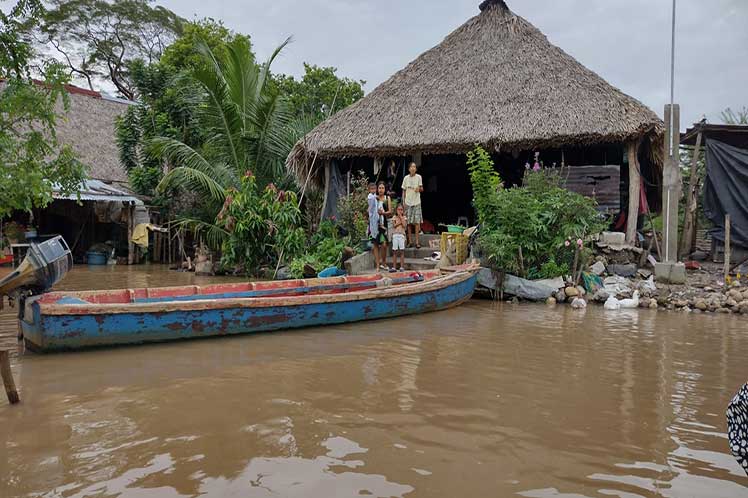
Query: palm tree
point(247, 126)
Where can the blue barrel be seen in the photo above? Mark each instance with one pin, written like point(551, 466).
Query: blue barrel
point(96, 258)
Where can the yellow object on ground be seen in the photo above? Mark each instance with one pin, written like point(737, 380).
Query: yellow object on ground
point(457, 243)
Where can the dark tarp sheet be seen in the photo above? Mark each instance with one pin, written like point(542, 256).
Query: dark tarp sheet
point(335, 190)
point(726, 190)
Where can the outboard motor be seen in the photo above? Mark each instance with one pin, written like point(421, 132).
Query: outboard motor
point(46, 263)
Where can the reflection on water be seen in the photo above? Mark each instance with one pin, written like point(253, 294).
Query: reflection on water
point(483, 400)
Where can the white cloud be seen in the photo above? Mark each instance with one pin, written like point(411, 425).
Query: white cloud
point(625, 41)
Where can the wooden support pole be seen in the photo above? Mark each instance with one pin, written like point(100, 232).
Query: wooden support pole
point(7, 375)
point(328, 174)
point(156, 256)
point(728, 249)
point(689, 222)
point(171, 253)
point(130, 228)
point(634, 192)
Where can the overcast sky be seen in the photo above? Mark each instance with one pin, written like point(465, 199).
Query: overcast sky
point(627, 42)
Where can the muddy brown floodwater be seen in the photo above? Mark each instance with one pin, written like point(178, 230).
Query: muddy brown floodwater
point(486, 400)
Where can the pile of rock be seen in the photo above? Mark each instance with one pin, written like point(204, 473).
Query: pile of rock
point(728, 299)
point(567, 294)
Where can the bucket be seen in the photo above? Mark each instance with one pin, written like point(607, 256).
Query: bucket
point(96, 258)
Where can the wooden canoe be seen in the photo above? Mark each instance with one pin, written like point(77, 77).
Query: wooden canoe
point(75, 320)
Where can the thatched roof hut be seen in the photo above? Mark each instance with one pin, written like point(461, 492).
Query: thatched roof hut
point(495, 81)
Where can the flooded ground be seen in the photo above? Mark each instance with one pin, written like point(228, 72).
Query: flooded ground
point(484, 400)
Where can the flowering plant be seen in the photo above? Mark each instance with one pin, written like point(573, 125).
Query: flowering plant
point(264, 226)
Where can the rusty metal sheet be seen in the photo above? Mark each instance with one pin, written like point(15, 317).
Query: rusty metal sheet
point(602, 183)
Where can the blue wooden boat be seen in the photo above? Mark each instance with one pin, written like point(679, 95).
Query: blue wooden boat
point(74, 320)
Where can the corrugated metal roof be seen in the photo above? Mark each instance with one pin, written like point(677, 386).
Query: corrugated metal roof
point(96, 190)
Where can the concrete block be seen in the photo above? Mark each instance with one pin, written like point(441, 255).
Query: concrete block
point(628, 270)
point(671, 273)
point(598, 268)
point(612, 238)
point(360, 264)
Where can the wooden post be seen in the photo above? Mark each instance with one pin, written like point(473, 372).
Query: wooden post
point(634, 192)
point(7, 375)
point(157, 239)
point(728, 250)
point(689, 222)
point(328, 174)
point(130, 228)
point(171, 253)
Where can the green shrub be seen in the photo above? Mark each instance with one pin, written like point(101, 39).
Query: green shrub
point(264, 226)
point(352, 208)
point(327, 245)
point(530, 230)
point(486, 183)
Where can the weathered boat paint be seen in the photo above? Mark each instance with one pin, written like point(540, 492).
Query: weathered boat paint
point(60, 322)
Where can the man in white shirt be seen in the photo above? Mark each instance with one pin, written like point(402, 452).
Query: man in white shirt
point(412, 188)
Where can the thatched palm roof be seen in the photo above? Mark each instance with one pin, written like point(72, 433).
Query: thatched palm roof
point(495, 81)
point(88, 127)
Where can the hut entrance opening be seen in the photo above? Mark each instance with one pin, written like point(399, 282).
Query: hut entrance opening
point(600, 172)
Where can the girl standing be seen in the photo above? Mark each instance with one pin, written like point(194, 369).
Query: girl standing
point(384, 208)
point(399, 225)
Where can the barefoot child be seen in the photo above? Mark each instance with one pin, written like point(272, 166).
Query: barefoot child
point(399, 224)
point(412, 188)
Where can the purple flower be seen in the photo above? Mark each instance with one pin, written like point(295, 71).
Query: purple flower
point(567, 243)
point(580, 242)
point(536, 167)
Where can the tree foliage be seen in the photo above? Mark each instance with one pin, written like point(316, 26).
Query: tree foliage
point(739, 117)
point(15, 47)
point(183, 54)
point(168, 101)
point(100, 39)
point(320, 93)
point(245, 126)
point(166, 108)
point(32, 161)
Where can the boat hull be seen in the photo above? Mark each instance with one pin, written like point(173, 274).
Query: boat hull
point(58, 332)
